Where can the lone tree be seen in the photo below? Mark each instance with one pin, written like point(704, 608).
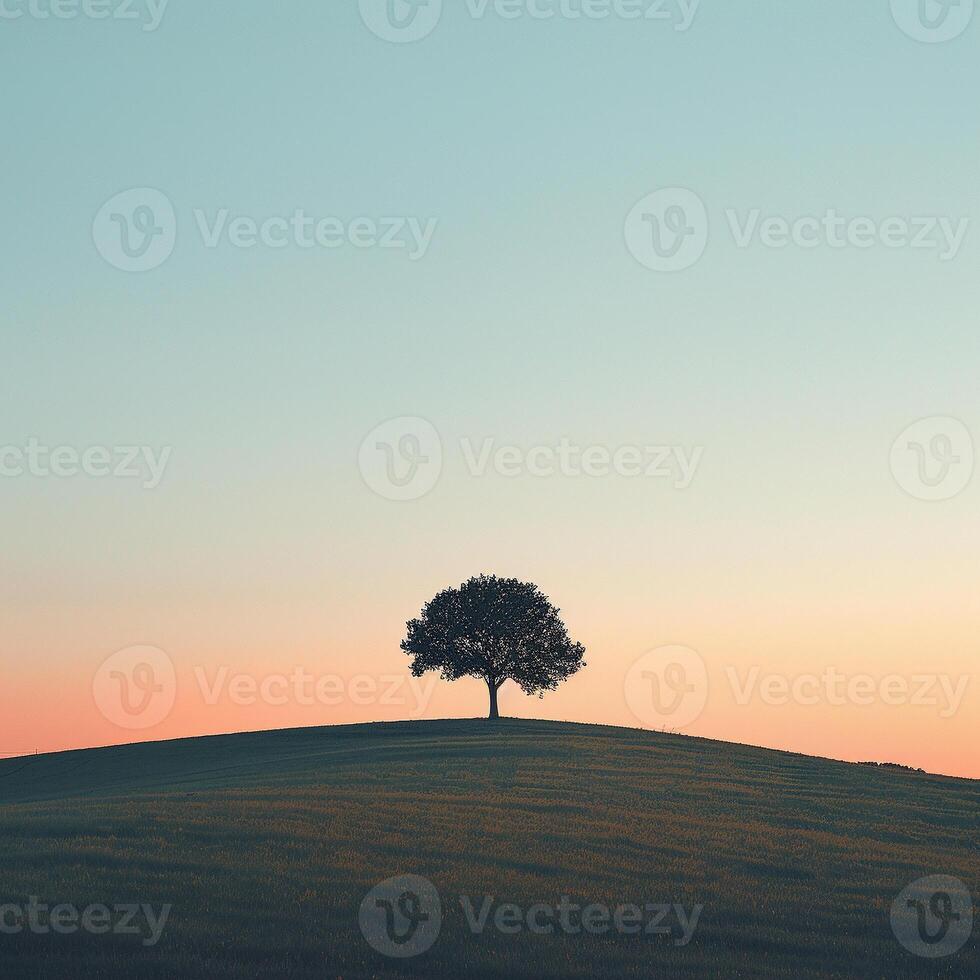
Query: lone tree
point(497, 629)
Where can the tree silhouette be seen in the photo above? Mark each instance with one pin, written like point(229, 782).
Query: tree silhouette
point(497, 629)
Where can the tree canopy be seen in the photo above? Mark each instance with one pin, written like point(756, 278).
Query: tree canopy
point(497, 629)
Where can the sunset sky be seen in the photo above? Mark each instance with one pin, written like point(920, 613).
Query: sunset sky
point(790, 372)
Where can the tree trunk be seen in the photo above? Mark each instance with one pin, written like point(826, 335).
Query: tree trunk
point(494, 713)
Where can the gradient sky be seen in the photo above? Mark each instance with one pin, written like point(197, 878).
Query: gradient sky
point(527, 321)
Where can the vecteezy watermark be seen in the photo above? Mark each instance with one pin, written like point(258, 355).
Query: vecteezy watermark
point(303, 688)
point(402, 917)
point(572, 919)
point(405, 21)
point(933, 459)
point(836, 688)
point(679, 13)
point(41, 919)
point(932, 21)
point(149, 13)
point(668, 231)
point(136, 231)
point(568, 459)
point(401, 21)
point(667, 688)
point(402, 459)
point(99, 462)
point(933, 916)
point(136, 688)
point(831, 229)
point(301, 230)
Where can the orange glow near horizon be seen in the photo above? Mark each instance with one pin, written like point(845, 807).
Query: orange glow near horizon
point(274, 670)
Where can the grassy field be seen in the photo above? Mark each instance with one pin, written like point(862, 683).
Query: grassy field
point(265, 845)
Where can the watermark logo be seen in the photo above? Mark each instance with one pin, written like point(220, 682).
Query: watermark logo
point(932, 21)
point(941, 234)
point(40, 919)
point(944, 692)
point(401, 459)
point(99, 462)
point(667, 231)
point(933, 459)
point(571, 919)
point(301, 230)
point(401, 21)
point(148, 12)
point(679, 13)
point(676, 464)
point(136, 688)
point(401, 917)
point(306, 689)
point(667, 688)
point(933, 917)
point(404, 21)
point(136, 231)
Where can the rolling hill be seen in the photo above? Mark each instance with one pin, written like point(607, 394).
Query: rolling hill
point(757, 863)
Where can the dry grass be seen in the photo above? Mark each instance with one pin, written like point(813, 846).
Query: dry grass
point(265, 845)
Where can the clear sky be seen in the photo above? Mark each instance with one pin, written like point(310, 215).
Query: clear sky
point(527, 318)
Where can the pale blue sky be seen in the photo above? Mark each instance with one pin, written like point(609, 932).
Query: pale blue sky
point(529, 142)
